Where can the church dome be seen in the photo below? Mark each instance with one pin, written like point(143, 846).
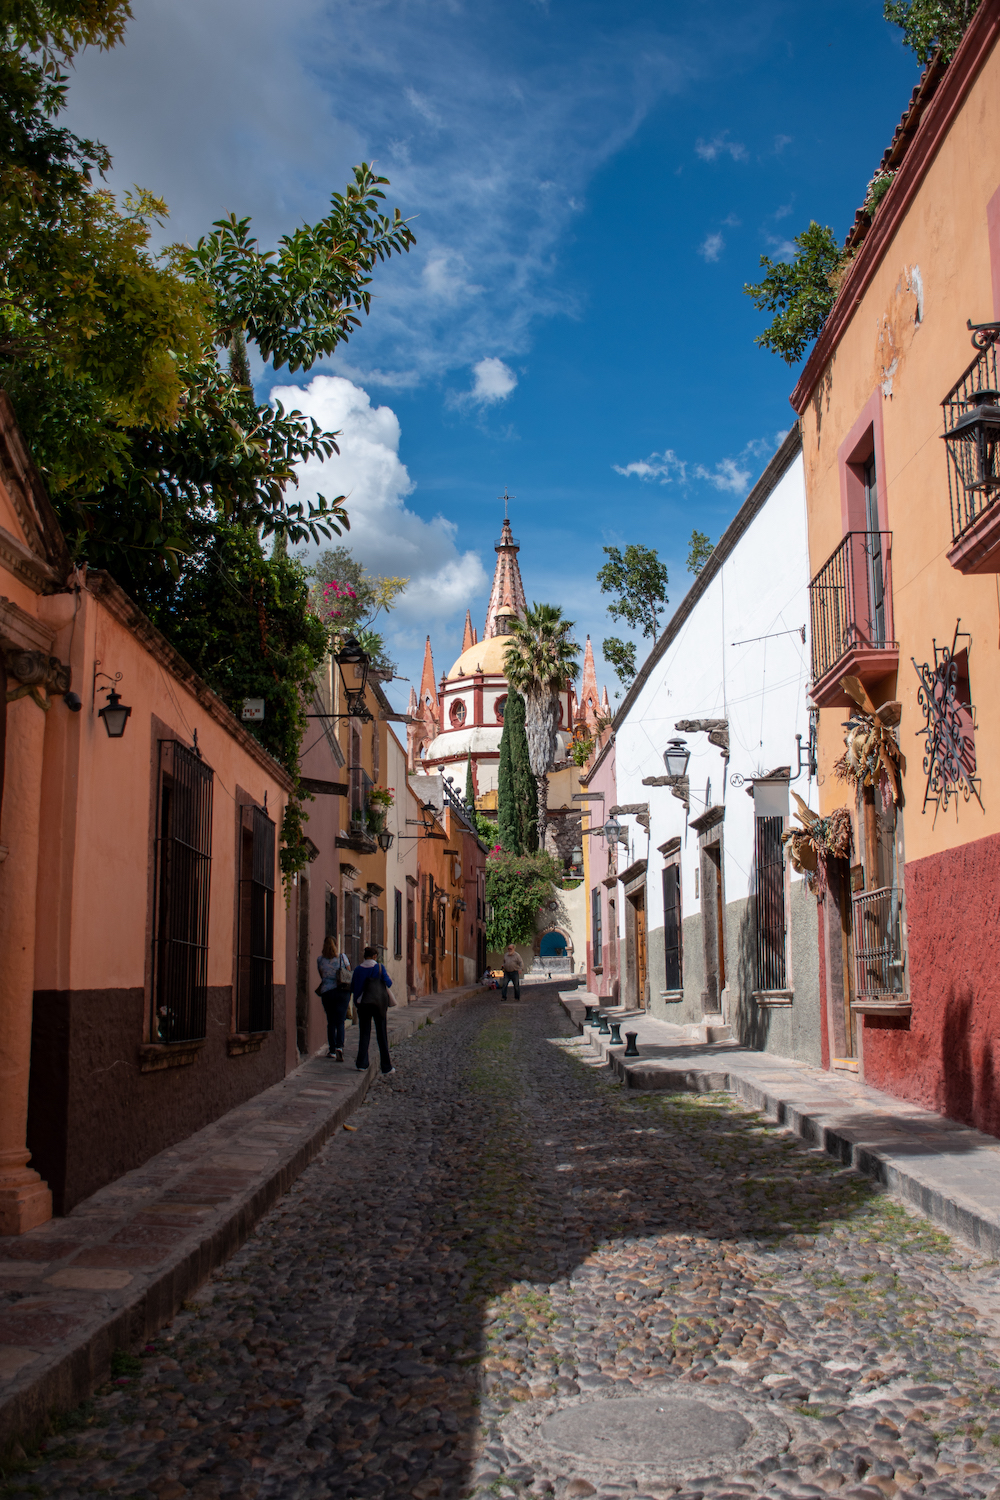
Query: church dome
point(486, 657)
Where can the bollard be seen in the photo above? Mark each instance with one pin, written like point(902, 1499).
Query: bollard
point(591, 1012)
point(605, 1029)
point(616, 1035)
point(631, 1050)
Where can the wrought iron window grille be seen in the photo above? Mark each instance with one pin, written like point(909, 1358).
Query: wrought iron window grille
point(770, 924)
point(255, 986)
point(850, 600)
point(972, 434)
point(878, 946)
point(949, 749)
point(181, 896)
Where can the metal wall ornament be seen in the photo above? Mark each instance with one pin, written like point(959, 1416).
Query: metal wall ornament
point(949, 749)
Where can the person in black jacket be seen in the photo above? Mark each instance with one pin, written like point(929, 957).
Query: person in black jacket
point(370, 986)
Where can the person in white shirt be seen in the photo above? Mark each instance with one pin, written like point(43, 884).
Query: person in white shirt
point(513, 968)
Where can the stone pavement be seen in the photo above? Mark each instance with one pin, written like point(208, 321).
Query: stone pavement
point(518, 1277)
point(119, 1266)
point(949, 1171)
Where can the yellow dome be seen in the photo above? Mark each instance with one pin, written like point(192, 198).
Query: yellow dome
point(486, 657)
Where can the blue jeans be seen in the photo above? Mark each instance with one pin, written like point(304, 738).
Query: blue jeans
point(335, 1003)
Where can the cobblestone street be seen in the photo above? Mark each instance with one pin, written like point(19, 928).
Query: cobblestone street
point(508, 1235)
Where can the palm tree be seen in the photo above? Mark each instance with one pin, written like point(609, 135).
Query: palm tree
point(539, 662)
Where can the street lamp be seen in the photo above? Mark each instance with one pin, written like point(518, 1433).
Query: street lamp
point(385, 839)
point(115, 714)
point(974, 442)
point(351, 654)
point(611, 830)
point(676, 757)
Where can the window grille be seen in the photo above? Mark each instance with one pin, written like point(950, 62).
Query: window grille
point(850, 598)
point(331, 914)
point(360, 784)
point(181, 903)
point(770, 904)
point(596, 935)
point(672, 926)
point(376, 927)
point(397, 924)
point(354, 928)
point(878, 947)
point(973, 480)
point(255, 990)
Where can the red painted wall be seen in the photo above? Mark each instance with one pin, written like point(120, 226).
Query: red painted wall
point(949, 1057)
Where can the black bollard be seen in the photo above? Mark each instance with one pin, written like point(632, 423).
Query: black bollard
point(616, 1034)
point(605, 1029)
point(591, 1013)
point(631, 1050)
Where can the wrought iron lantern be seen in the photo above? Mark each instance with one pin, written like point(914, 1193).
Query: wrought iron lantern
point(115, 714)
point(351, 655)
point(676, 757)
point(576, 857)
point(385, 839)
point(611, 830)
point(974, 442)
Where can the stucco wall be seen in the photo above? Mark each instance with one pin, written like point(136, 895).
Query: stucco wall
point(948, 1056)
point(787, 1031)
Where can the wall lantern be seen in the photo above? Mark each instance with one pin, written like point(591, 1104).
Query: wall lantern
point(576, 856)
point(974, 442)
point(611, 830)
point(385, 840)
point(115, 714)
point(351, 655)
point(676, 757)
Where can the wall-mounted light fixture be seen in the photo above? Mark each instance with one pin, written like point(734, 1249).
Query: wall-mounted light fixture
point(353, 656)
point(115, 713)
point(676, 757)
point(385, 839)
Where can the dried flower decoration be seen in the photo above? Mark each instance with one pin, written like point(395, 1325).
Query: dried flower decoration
point(872, 756)
point(818, 840)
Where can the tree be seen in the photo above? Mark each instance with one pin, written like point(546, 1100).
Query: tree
point(539, 662)
point(350, 599)
point(470, 785)
point(800, 293)
point(517, 796)
point(931, 24)
point(516, 887)
point(700, 550)
point(621, 655)
point(639, 580)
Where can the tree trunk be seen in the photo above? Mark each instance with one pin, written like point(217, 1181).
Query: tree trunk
point(542, 783)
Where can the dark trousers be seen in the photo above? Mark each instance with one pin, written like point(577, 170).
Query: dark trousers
point(508, 975)
point(335, 1003)
point(366, 1015)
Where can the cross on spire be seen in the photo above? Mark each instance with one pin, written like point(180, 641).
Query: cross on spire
point(505, 498)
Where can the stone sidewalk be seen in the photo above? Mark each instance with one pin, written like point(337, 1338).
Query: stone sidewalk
point(121, 1263)
point(948, 1171)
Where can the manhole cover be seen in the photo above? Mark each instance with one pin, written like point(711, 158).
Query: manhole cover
point(644, 1438)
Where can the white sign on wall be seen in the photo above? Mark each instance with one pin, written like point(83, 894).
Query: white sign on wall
point(253, 709)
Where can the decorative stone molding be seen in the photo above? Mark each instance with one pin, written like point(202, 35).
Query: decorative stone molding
point(709, 818)
point(716, 729)
point(155, 1057)
point(243, 1042)
point(680, 787)
point(36, 673)
point(670, 847)
point(634, 876)
point(637, 810)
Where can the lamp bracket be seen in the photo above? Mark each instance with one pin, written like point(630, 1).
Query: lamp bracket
point(983, 334)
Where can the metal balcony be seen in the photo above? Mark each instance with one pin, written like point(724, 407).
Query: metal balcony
point(879, 984)
point(973, 451)
point(850, 605)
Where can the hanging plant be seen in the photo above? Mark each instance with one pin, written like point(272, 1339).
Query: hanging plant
point(818, 840)
point(872, 756)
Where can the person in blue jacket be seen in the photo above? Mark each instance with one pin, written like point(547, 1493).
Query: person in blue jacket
point(370, 986)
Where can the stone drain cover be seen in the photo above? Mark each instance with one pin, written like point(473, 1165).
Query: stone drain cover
point(645, 1438)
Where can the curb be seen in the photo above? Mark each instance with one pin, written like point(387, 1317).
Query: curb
point(848, 1140)
point(71, 1373)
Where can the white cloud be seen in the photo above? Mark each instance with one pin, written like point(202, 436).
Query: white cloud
point(664, 467)
point(385, 534)
point(780, 142)
point(727, 475)
point(720, 145)
point(711, 247)
point(494, 381)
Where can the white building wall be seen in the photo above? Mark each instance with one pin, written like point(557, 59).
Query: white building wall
point(738, 656)
point(400, 861)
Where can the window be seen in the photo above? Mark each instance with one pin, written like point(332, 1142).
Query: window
point(876, 580)
point(397, 924)
point(331, 914)
point(498, 707)
point(770, 904)
point(255, 972)
point(596, 935)
point(183, 868)
point(376, 927)
point(354, 928)
point(457, 713)
point(672, 927)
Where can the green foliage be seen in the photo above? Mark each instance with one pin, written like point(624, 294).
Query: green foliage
point(350, 599)
point(800, 293)
point(582, 751)
point(621, 655)
point(486, 829)
point(470, 786)
point(639, 580)
point(124, 1363)
point(517, 798)
point(700, 550)
point(930, 24)
point(517, 885)
point(539, 661)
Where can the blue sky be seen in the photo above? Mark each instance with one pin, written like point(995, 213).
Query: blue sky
point(591, 185)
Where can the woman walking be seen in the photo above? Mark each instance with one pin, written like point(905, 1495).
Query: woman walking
point(370, 987)
point(335, 993)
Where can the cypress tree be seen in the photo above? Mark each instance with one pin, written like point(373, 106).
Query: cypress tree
point(508, 822)
point(470, 789)
point(523, 785)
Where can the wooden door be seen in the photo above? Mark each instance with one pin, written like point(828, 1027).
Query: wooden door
point(641, 968)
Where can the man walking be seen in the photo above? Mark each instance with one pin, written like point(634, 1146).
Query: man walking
point(370, 987)
point(513, 968)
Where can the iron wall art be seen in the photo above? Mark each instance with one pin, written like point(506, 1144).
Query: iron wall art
point(949, 749)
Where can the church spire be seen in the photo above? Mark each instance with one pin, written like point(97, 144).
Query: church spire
point(507, 593)
point(428, 687)
point(469, 638)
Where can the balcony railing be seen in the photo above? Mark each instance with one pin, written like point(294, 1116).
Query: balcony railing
point(878, 949)
point(850, 601)
point(969, 493)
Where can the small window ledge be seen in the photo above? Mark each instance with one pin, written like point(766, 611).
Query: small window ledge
point(242, 1042)
point(597, 968)
point(896, 1006)
point(156, 1057)
point(772, 999)
point(671, 997)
